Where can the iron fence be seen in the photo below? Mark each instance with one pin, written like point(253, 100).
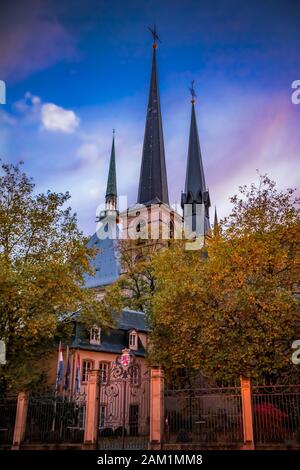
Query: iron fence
point(55, 419)
point(276, 413)
point(8, 408)
point(206, 415)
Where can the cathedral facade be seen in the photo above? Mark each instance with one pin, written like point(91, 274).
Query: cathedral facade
point(151, 218)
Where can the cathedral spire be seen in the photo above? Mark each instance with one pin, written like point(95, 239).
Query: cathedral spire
point(216, 222)
point(111, 189)
point(195, 185)
point(153, 176)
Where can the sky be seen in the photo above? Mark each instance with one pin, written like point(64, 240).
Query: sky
point(75, 70)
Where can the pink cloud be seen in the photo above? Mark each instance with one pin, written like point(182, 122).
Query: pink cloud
point(31, 40)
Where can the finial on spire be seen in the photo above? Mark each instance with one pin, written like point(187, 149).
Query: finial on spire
point(193, 93)
point(114, 131)
point(155, 36)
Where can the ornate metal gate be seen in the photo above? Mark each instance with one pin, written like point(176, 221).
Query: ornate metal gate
point(124, 405)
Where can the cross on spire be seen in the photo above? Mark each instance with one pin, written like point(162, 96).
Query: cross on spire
point(155, 36)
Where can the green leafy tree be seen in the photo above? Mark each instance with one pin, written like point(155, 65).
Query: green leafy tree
point(43, 258)
point(136, 285)
point(234, 312)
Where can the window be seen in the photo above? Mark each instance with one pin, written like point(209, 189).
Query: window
point(102, 416)
point(171, 230)
point(86, 367)
point(103, 368)
point(140, 227)
point(95, 335)
point(133, 340)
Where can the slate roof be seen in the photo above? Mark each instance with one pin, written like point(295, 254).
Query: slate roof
point(153, 176)
point(116, 339)
point(195, 185)
point(195, 179)
point(111, 189)
point(132, 319)
point(105, 263)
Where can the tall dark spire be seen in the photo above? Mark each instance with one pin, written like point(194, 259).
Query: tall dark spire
point(216, 223)
point(111, 189)
point(195, 185)
point(153, 176)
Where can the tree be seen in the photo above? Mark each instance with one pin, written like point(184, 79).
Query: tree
point(43, 258)
point(234, 312)
point(136, 285)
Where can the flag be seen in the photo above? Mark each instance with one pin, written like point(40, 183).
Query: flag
point(60, 366)
point(68, 371)
point(77, 374)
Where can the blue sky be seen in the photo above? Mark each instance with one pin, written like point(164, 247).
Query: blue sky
point(75, 70)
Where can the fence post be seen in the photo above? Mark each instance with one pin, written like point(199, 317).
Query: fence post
point(92, 410)
point(247, 414)
point(20, 421)
point(157, 408)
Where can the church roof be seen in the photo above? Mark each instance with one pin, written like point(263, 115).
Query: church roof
point(195, 179)
point(153, 176)
point(105, 263)
point(116, 339)
point(111, 189)
point(195, 185)
point(132, 320)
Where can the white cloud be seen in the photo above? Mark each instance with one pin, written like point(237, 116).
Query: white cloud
point(28, 103)
point(56, 118)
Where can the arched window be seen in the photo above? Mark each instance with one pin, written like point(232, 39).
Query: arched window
point(140, 226)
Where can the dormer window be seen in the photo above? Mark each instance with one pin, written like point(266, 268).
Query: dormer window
point(95, 335)
point(133, 340)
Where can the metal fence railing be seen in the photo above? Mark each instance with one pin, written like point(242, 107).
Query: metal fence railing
point(55, 419)
point(207, 415)
point(276, 413)
point(8, 408)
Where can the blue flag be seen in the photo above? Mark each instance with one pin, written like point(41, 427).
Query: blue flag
point(60, 365)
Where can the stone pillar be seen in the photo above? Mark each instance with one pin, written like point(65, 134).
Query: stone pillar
point(92, 410)
point(20, 421)
point(157, 408)
point(247, 414)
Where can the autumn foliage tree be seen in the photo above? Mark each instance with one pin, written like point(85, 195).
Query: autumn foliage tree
point(234, 311)
point(43, 258)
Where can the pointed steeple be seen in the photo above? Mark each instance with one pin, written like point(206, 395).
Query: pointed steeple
point(111, 189)
point(216, 223)
point(195, 186)
point(153, 176)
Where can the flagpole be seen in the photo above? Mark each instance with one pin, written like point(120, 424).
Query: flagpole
point(57, 369)
point(58, 376)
